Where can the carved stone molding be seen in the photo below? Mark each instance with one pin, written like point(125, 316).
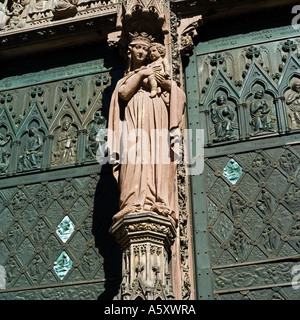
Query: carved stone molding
point(135, 227)
point(146, 6)
point(16, 16)
point(183, 30)
point(187, 30)
point(150, 16)
point(152, 13)
point(145, 240)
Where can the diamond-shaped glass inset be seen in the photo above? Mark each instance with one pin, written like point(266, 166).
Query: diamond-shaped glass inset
point(232, 171)
point(62, 265)
point(65, 229)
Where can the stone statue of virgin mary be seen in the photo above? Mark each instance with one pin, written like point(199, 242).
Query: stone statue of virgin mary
point(141, 139)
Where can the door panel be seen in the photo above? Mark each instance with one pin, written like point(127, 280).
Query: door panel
point(245, 204)
point(56, 201)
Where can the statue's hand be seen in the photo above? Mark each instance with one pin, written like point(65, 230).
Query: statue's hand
point(146, 72)
point(165, 84)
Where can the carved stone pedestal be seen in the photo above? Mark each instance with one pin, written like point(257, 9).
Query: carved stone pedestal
point(145, 240)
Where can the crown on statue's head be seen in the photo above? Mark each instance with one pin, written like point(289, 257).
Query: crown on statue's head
point(138, 38)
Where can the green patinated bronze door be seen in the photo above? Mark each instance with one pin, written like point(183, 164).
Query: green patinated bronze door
point(243, 91)
point(55, 205)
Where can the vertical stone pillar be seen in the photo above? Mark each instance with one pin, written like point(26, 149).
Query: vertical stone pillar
point(145, 239)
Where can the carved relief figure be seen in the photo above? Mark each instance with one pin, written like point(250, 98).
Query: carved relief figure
point(264, 203)
point(11, 270)
point(60, 8)
point(35, 268)
point(293, 104)
point(97, 136)
point(260, 167)
point(236, 206)
point(289, 163)
point(269, 238)
point(24, 10)
point(295, 234)
point(239, 243)
point(19, 201)
point(66, 145)
point(68, 192)
point(88, 263)
point(292, 197)
point(4, 152)
point(17, 20)
point(37, 6)
point(160, 64)
point(15, 236)
point(32, 154)
point(39, 232)
point(144, 185)
point(223, 118)
point(3, 14)
point(260, 109)
point(43, 197)
point(65, 8)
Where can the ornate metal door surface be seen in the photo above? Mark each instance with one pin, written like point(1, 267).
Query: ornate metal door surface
point(245, 205)
point(50, 182)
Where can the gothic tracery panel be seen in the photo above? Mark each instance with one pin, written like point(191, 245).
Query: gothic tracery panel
point(49, 175)
point(262, 89)
point(249, 188)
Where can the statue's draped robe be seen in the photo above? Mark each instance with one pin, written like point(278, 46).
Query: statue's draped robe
point(143, 168)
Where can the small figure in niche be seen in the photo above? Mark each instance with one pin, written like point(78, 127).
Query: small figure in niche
point(223, 117)
point(4, 154)
point(261, 119)
point(32, 155)
point(293, 103)
point(97, 136)
point(66, 145)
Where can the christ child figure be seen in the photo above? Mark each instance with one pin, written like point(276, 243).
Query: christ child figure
point(160, 64)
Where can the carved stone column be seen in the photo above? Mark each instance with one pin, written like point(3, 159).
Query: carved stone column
point(145, 239)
